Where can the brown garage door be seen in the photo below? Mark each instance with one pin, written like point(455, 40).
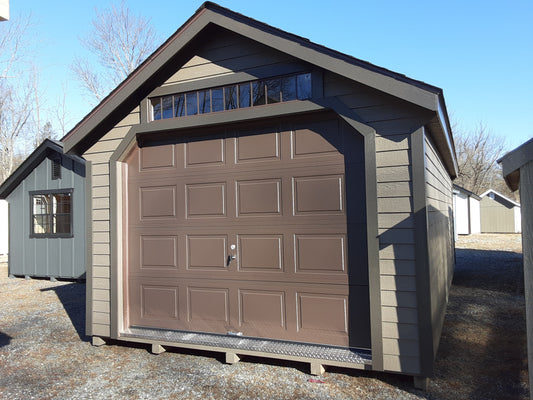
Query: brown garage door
point(242, 230)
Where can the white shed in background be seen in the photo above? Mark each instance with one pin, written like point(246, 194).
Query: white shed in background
point(466, 209)
point(4, 226)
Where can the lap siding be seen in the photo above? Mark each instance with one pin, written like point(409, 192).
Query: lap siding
point(396, 256)
point(100, 287)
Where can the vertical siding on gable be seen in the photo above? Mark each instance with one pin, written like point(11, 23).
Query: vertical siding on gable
point(440, 235)
point(99, 156)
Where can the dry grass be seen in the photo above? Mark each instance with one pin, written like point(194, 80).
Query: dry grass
point(45, 354)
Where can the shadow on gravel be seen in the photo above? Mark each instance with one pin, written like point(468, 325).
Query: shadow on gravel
point(489, 269)
point(483, 343)
point(72, 296)
point(5, 339)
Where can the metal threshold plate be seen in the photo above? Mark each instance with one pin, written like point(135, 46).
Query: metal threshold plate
point(295, 349)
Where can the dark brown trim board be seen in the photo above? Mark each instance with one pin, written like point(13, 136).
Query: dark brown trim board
point(89, 250)
point(418, 153)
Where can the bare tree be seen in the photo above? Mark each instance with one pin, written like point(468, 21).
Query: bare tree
point(13, 42)
point(477, 153)
point(16, 89)
point(15, 111)
point(60, 111)
point(120, 41)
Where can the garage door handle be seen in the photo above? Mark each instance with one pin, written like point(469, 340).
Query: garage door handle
point(230, 258)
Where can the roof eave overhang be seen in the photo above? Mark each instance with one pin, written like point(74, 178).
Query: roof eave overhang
point(514, 203)
point(39, 154)
point(513, 161)
point(450, 156)
point(82, 136)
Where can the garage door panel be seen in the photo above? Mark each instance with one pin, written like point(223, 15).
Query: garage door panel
point(320, 253)
point(205, 152)
point(206, 200)
point(320, 312)
point(263, 146)
point(208, 252)
point(316, 139)
point(157, 157)
point(261, 252)
point(259, 197)
point(158, 252)
point(318, 194)
point(157, 202)
point(159, 302)
point(208, 304)
point(259, 310)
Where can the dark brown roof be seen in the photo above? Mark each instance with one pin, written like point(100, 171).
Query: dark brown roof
point(48, 148)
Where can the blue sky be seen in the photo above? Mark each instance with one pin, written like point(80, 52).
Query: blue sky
point(479, 52)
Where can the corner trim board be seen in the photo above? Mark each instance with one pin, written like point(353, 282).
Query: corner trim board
point(423, 295)
point(88, 251)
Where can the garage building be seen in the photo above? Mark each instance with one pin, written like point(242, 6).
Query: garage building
point(255, 193)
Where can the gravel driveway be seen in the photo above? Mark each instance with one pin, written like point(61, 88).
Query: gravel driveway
point(45, 354)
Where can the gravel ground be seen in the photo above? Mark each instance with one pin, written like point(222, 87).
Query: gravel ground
point(44, 353)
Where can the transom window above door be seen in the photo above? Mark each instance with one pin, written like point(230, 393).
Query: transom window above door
point(226, 98)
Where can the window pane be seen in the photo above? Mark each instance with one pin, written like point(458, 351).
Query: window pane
point(179, 105)
point(51, 213)
point(168, 109)
point(204, 101)
point(230, 95)
point(273, 91)
point(244, 95)
point(156, 104)
point(217, 99)
point(258, 93)
point(304, 86)
point(192, 103)
point(62, 223)
point(41, 213)
point(288, 88)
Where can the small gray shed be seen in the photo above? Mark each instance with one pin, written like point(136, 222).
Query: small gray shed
point(517, 169)
point(46, 198)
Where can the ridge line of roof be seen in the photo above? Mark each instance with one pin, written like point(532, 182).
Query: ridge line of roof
point(500, 195)
point(211, 6)
point(324, 49)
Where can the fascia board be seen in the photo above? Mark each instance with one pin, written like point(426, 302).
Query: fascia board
point(516, 158)
point(132, 83)
point(501, 196)
point(379, 81)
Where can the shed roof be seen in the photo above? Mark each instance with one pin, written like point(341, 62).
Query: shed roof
point(513, 161)
point(466, 192)
point(501, 196)
point(142, 80)
point(46, 149)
